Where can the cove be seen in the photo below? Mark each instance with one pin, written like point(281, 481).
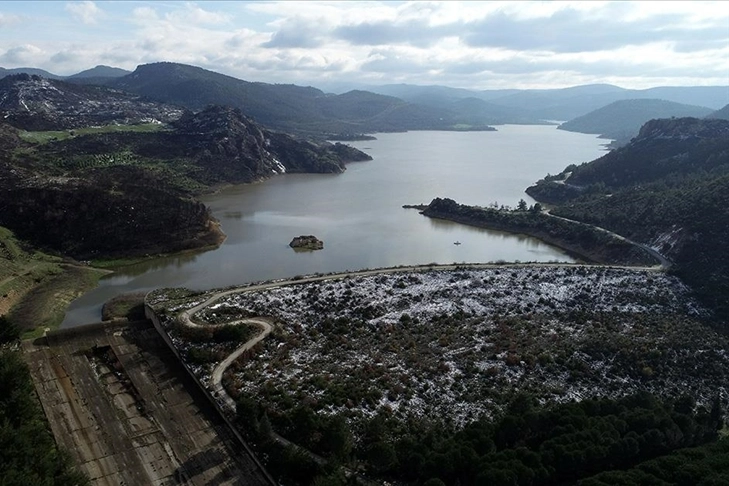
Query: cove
point(359, 214)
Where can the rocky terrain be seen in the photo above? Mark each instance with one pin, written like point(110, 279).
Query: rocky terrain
point(30, 102)
point(307, 242)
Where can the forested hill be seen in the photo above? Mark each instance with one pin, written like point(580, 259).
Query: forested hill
point(622, 119)
point(130, 192)
point(285, 107)
point(722, 113)
point(668, 188)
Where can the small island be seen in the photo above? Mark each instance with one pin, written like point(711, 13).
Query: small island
point(306, 242)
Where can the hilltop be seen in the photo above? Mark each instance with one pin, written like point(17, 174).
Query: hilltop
point(722, 113)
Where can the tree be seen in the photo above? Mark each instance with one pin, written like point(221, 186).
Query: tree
point(9, 331)
point(522, 206)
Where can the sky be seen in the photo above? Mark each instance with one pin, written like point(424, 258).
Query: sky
point(474, 45)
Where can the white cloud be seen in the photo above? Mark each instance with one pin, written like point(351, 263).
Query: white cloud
point(25, 55)
point(7, 20)
point(466, 44)
point(86, 12)
point(192, 14)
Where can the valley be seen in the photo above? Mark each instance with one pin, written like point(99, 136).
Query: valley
point(390, 354)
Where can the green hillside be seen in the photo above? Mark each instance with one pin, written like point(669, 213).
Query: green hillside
point(668, 188)
point(621, 120)
point(284, 107)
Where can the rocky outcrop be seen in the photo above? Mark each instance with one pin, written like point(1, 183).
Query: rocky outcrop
point(307, 242)
point(224, 140)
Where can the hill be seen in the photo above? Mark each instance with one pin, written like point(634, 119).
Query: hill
point(100, 71)
point(621, 120)
point(538, 105)
point(283, 107)
point(722, 113)
point(131, 192)
point(31, 102)
point(28, 70)
point(668, 188)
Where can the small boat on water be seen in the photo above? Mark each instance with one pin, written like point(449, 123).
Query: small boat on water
point(456, 242)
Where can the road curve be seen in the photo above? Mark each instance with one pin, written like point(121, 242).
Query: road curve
point(664, 262)
point(266, 323)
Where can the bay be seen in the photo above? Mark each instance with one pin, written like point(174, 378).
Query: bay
point(359, 214)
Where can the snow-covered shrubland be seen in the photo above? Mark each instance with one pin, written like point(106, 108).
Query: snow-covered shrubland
point(456, 345)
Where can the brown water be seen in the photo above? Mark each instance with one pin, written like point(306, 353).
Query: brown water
point(359, 214)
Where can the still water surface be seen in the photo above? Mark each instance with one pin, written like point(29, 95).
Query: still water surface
point(359, 214)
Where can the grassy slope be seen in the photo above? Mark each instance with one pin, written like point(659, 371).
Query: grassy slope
point(36, 288)
point(54, 135)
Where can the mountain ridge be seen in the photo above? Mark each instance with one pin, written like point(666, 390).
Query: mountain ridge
point(621, 120)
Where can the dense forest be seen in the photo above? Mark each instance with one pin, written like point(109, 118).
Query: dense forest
point(635, 440)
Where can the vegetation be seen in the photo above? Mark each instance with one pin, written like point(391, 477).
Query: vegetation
point(36, 287)
point(28, 454)
point(133, 189)
point(419, 376)
point(125, 306)
point(669, 188)
point(57, 135)
point(580, 239)
point(621, 120)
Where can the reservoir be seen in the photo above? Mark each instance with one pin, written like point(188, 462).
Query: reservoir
point(359, 215)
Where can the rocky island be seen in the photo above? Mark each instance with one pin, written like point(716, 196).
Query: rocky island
point(306, 242)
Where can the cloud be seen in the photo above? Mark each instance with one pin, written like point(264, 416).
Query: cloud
point(7, 20)
point(86, 12)
point(23, 55)
point(415, 32)
point(468, 44)
point(298, 32)
point(192, 14)
point(570, 30)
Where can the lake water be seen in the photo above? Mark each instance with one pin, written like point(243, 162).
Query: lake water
point(359, 214)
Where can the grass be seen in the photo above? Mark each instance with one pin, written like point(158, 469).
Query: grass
point(37, 288)
point(21, 269)
point(56, 135)
point(44, 307)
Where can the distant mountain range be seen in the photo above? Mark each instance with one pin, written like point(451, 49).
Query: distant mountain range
point(621, 120)
point(722, 113)
point(397, 107)
point(97, 72)
point(282, 106)
point(558, 104)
